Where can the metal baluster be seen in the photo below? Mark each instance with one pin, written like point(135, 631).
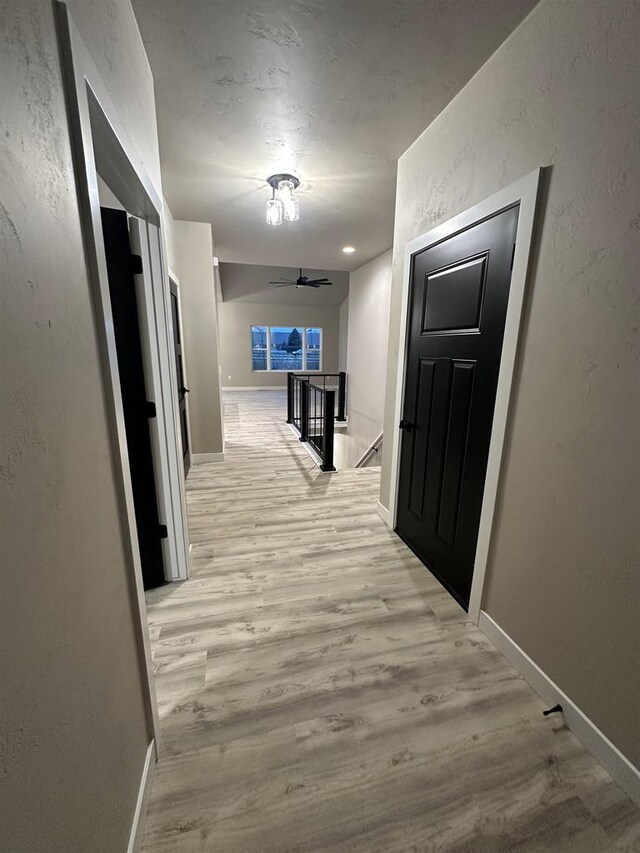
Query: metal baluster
point(290, 415)
point(322, 409)
point(328, 426)
point(315, 420)
point(304, 410)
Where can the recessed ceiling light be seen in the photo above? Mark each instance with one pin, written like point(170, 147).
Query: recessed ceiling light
point(349, 250)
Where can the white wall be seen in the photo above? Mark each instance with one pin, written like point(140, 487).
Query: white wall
point(368, 332)
point(236, 319)
point(190, 252)
point(343, 335)
point(563, 578)
point(74, 728)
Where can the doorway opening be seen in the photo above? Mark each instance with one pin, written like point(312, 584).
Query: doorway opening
point(126, 288)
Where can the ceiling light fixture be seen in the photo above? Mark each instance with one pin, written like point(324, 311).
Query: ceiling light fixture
point(349, 250)
point(283, 203)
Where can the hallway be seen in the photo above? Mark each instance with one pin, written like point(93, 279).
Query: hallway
point(319, 691)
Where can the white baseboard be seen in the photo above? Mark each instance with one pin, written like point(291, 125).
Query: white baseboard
point(144, 791)
point(254, 387)
point(311, 452)
point(384, 514)
point(202, 458)
point(606, 753)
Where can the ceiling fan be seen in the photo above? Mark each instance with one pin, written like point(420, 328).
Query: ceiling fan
point(301, 281)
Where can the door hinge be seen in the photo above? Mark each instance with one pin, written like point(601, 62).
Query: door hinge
point(150, 409)
point(163, 532)
point(136, 264)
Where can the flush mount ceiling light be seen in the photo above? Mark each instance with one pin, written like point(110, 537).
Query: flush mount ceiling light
point(283, 203)
point(349, 250)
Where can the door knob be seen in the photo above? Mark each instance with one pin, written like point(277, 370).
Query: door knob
point(407, 426)
point(184, 391)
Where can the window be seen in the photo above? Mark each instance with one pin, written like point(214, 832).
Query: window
point(285, 348)
point(312, 349)
point(259, 336)
point(295, 348)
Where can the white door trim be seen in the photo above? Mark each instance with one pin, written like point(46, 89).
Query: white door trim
point(153, 332)
point(98, 137)
point(177, 506)
point(173, 278)
point(525, 193)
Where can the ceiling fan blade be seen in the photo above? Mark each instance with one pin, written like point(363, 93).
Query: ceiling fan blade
point(319, 281)
point(288, 284)
point(310, 284)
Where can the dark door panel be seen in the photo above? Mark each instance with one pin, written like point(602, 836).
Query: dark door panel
point(457, 309)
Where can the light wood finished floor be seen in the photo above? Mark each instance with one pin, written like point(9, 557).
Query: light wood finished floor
point(319, 691)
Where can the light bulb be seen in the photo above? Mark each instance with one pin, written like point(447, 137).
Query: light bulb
point(275, 211)
point(292, 210)
point(285, 191)
point(289, 200)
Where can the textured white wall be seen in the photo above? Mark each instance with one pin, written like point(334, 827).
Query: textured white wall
point(563, 576)
point(368, 331)
point(110, 32)
point(74, 732)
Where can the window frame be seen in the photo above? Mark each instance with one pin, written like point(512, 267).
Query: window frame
point(304, 329)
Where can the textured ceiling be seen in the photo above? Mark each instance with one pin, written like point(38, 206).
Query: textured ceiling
point(249, 283)
point(333, 90)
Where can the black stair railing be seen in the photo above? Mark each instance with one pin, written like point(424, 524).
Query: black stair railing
point(328, 381)
point(318, 421)
point(313, 407)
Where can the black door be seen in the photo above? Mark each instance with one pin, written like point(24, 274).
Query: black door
point(137, 410)
point(457, 307)
point(182, 391)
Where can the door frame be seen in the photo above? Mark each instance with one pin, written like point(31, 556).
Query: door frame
point(100, 142)
point(524, 192)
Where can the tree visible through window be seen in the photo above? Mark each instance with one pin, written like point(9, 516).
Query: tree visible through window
point(294, 344)
point(286, 348)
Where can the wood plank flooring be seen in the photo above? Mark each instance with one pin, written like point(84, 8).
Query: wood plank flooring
point(319, 691)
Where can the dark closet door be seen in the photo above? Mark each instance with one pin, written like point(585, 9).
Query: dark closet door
point(121, 265)
point(182, 390)
point(457, 308)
